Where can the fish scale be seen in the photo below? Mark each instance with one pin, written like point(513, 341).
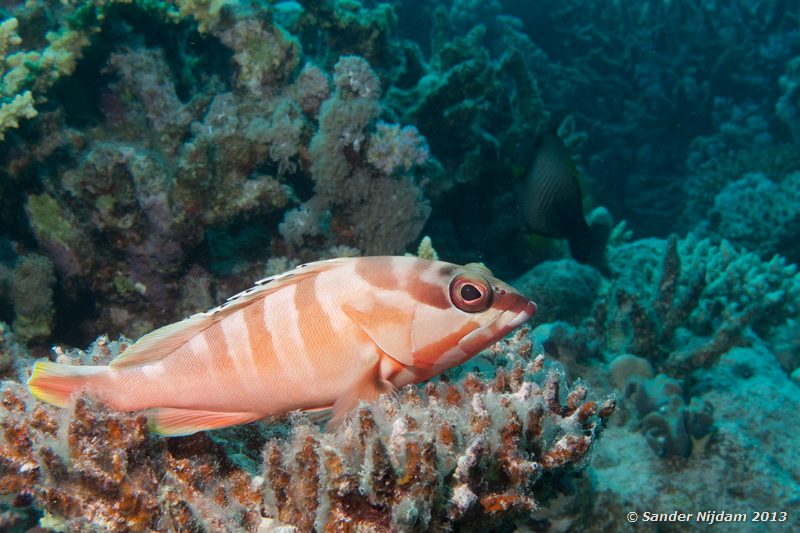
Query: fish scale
point(321, 337)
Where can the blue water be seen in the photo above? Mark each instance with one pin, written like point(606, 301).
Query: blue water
point(155, 161)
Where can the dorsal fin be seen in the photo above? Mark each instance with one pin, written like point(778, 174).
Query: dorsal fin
point(160, 343)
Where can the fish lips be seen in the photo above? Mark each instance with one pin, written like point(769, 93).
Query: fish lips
point(517, 314)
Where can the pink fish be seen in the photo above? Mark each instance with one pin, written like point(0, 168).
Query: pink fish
point(322, 336)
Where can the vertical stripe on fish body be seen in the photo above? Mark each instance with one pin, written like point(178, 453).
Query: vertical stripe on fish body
point(325, 335)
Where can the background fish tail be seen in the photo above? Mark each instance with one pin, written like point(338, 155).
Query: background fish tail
point(587, 244)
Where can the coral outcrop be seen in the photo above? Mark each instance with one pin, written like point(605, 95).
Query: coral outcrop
point(672, 308)
point(196, 152)
point(450, 453)
point(693, 304)
point(477, 450)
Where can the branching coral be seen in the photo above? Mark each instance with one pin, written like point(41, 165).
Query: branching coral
point(13, 106)
point(680, 304)
point(448, 453)
point(97, 469)
point(695, 303)
point(470, 452)
point(182, 160)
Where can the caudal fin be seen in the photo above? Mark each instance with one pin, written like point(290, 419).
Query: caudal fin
point(55, 383)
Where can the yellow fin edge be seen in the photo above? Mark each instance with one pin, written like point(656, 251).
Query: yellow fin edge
point(177, 422)
point(55, 383)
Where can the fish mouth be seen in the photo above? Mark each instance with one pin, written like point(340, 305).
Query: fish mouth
point(524, 310)
point(517, 314)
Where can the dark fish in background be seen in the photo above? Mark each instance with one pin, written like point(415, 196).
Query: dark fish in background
point(552, 203)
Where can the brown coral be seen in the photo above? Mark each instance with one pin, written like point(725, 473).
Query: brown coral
point(98, 469)
point(470, 451)
point(481, 451)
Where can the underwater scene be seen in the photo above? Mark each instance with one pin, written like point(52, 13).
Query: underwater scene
point(403, 265)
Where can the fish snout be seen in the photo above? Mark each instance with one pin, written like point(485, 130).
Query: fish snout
point(524, 309)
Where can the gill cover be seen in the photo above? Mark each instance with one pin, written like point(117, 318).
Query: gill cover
point(415, 333)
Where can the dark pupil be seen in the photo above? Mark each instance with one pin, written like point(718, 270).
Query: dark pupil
point(470, 293)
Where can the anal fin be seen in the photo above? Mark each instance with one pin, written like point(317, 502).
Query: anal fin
point(173, 422)
point(319, 415)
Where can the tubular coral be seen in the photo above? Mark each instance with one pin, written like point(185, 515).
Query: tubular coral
point(436, 456)
point(449, 453)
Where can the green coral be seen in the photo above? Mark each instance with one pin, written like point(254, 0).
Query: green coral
point(32, 295)
point(28, 74)
point(13, 107)
point(205, 12)
point(60, 233)
point(48, 221)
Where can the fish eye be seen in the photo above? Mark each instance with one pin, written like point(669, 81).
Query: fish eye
point(470, 293)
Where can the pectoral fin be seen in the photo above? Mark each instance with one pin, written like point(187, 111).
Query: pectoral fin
point(173, 422)
point(368, 387)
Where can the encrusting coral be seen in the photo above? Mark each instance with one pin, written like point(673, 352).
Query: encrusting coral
point(473, 450)
point(32, 295)
point(188, 162)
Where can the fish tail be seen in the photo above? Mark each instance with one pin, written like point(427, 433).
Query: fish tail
point(55, 383)
point(600, 228)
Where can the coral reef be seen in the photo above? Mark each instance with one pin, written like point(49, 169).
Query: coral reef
point(477, 450)
point(711, 175)
point(32, 295)
point(759, 215)
point(470, 453)
point(10, 352)
point(13, 105)
point(619, 69)
point(157, 155)
point(101, 469)
point(185, 164)
point(745, 463)
point(377, 214)
point(669, 425)
point(564, 289)
point(695, 303)
point(393, 149)
point(672, 308)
